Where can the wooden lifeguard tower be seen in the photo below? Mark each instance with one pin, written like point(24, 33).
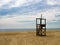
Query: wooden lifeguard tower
point(40, 26)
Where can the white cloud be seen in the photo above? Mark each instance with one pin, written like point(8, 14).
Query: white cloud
point(3, 2)
point(53, 2)
point(14, 22)
point(17, 3)
point(17, 21)
point(12, 3)
point(50, 13)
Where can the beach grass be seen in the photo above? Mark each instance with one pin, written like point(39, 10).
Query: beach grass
point(29, 38)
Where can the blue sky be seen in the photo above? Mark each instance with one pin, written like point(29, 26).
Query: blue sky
point(23, 13)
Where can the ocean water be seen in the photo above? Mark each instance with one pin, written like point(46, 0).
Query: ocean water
point(19, 30)
point(16, 30)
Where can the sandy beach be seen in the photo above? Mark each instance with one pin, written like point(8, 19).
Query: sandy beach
point(30, 38)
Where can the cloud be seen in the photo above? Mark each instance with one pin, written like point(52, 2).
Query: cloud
point(3, 2)
point(27, 6)
point(24, 9)
point(17, 21)
point(22, 2)
point(14, 14)
point(53, 2)
point(18, 7)
point(28, 21)
point(17, 3)
point(58, 15)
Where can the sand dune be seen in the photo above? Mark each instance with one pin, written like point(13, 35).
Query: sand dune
point(30, 38)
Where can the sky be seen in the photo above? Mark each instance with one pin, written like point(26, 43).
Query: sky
point(17, 14)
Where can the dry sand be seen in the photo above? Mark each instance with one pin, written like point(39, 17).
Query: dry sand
point(29, 38)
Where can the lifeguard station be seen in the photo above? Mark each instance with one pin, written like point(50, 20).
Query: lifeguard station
point(40, 26)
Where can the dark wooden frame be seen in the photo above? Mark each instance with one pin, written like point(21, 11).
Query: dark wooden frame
point(40, 31)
